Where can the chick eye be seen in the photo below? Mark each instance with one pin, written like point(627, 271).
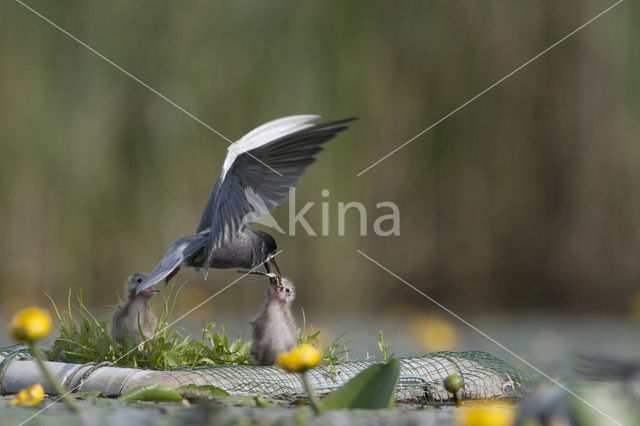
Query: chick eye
point(288, 290)
point(139, 280)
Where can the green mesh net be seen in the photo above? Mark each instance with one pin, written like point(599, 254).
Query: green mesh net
point(421, 377)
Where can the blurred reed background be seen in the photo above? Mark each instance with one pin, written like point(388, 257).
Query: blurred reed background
point(528, 198)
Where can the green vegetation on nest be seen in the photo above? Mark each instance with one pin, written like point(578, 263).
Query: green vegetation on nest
point(337, 350)
point(85, 338)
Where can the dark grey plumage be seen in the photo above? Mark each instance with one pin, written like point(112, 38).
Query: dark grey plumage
point(248, 250)
point(287, 156)
point(274, 329)
point(255, 178)
point(135, 313)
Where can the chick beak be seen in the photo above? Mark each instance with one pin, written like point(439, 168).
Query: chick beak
point(149, 291)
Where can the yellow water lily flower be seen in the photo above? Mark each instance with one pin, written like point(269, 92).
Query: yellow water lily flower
point(300, 358)
point(433, 333)
point(30, 324)
point(29, 396)
point(486, 414)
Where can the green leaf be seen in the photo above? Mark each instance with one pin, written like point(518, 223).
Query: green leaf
point(371, 389)
point(237, 400)
point(261, 402)
point(153, 392)
point(102, 347)
point(94, 394)
point(171, 359)
point(212, 390)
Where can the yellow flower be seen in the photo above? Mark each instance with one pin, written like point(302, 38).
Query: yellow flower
point(433, 333)
point(30, 324)
point(300, 358)
point(486, 414)
point(29, 396)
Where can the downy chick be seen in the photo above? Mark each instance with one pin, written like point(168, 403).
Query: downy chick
point(135, 313)
point(274, 329)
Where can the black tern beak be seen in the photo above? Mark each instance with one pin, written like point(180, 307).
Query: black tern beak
point(264, 274)
point(272, 260)
point(274, 280)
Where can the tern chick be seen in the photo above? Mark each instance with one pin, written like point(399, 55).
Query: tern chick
point(274, 329)
point(135, 313)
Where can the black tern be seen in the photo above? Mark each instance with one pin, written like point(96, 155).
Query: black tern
point(274, 329)
point(256, 175)
point(135, 313)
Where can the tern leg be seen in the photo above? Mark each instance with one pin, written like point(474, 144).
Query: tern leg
point(171, 275)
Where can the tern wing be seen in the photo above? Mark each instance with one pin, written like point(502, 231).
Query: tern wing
point(180, 250)
point(265, 133)
point(264, 164)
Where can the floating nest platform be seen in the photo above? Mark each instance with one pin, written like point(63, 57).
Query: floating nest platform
point(420, 381)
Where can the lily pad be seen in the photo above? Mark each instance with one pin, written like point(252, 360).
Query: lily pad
point(373, 388)
point(153, 392)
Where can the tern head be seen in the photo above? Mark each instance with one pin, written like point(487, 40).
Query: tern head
point(268, 247)
point(286, 293)
point(132, 283)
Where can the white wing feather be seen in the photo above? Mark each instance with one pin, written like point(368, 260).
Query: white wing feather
point(264, 134)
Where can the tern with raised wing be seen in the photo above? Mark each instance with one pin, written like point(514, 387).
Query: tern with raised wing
point(256, 175)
